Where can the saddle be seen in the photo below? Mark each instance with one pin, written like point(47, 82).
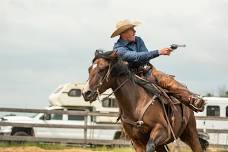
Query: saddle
point(153, 88)
point(170, 102)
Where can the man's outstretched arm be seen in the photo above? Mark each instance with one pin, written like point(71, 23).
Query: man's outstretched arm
point(132, 56)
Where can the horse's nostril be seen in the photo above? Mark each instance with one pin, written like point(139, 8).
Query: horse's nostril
point(88, 93)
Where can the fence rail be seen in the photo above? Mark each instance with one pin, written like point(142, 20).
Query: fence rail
point(82, 113)
point(66, 140)
point(102, 126)
point(85, 127)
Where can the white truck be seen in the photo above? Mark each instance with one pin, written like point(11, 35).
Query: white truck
point(67, 98)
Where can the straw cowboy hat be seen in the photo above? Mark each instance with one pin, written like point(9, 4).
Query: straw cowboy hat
point(122, 26)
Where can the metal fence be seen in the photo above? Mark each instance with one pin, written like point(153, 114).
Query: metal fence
point(85, 127)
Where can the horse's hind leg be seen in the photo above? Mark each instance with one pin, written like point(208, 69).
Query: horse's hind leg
point(162, 148)
point(190, 135)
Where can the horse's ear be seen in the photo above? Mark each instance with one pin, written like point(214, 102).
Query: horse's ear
point(98, 52)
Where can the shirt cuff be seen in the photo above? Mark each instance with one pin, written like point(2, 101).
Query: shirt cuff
point(154, 54)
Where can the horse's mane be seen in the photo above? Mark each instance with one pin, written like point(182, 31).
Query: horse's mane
point(118, 67)
point(101, 54)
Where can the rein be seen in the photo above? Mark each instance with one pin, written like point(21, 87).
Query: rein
point(105, 78)
point(117, 88)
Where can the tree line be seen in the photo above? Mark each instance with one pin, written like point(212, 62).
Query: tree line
point(222, 92)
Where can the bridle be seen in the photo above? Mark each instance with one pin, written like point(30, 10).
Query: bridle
point(105, 78)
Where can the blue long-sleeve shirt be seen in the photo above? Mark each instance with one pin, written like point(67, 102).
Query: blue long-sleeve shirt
point(135, 53)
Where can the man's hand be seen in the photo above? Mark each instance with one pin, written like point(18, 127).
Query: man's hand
point(165, 51)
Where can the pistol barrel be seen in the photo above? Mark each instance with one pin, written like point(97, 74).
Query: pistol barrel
point(175, 46)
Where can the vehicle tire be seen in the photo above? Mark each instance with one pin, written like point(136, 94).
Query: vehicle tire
point(20, 133)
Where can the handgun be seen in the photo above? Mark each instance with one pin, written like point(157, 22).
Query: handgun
point(175, 46)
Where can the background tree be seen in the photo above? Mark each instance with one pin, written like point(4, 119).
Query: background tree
point(209, 94)
point(222, 92)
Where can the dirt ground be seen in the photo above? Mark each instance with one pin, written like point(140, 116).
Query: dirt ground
point(37, 149)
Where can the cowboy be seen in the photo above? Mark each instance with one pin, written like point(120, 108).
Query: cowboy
point(132, 49)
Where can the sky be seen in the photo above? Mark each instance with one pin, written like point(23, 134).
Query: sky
point(45, 43)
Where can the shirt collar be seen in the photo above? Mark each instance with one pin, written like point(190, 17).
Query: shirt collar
point(123, 42)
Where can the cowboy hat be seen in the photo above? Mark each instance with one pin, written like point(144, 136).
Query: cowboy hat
point(122, 26)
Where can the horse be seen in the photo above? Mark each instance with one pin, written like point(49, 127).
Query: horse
point(149, 131)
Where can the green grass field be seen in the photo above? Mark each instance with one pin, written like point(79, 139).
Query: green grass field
point(60, 147)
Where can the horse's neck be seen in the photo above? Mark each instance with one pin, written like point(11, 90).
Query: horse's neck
point(128, 97)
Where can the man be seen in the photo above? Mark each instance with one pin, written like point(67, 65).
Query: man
point(133, 50)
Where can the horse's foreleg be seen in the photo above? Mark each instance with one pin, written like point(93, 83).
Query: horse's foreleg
point(150, 146)
point(159, 135)
point(139, 147)
point(162, 148)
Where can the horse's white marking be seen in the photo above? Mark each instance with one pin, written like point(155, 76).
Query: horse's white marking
point(86, 87)
point(94, 66)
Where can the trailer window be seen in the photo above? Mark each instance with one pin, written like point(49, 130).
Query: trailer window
point(75, 93)
point(56, 116)
point(75, 117)
point(226, 111)
point(52, 117)
point(109, 103)
point(213, 111)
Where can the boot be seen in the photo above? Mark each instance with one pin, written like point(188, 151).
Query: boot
point(197, 103)
point(180, 91)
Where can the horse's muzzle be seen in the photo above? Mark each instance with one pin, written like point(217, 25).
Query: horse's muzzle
point(89, 95)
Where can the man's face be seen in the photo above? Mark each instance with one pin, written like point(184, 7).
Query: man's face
point(128, 35)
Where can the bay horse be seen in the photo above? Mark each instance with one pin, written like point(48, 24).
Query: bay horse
point(152, 133)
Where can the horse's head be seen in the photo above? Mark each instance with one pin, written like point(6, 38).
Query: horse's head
point(105, 67)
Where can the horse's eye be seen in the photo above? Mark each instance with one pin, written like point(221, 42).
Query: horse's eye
point(101, 71)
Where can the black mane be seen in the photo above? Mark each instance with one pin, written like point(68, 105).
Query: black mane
point(101, 54)
point(118, 67)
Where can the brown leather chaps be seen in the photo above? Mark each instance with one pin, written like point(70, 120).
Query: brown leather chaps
point(179, 90)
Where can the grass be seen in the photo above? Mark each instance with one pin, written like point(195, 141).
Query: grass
point(48, 146)
point(113, 149)
point(54, 146)
point(63, 147)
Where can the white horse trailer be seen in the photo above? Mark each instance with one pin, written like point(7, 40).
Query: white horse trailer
point(215, 113)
